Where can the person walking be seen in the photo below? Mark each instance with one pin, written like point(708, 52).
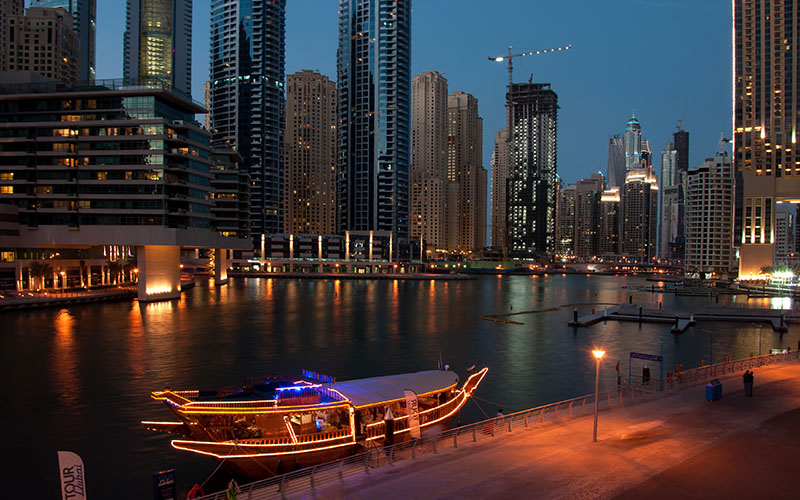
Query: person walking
point(747, 379)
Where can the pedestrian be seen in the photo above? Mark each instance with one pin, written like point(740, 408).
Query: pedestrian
point(646, 374)
point(499, 418)
point(747, 379)
point(233, 490)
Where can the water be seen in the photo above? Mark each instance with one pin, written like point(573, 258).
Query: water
point(79, 378)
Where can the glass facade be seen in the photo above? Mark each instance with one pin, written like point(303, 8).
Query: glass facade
point(104, 158)
point(532, 184)
point(374, 79)
point(247, 98)
point(158, 36)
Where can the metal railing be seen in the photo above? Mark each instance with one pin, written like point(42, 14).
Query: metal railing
point(308, 479)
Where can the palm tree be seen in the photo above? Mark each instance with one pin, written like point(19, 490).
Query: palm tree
point(39, 270)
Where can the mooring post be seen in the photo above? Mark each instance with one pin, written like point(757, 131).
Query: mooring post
point(575, 315)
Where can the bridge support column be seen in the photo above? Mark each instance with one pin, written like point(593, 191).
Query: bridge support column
point(159, 272)
point(220, 266)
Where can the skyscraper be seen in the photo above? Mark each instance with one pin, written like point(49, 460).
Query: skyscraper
point(632, 144)
point(374, 84)
point(499, 190)
point(709, 209)
point(428, 157)
point(247, 98)
point(464, 157)
point(765, 123)
point(608, 242)
point(8, 8)
point(565, 221)
point(84, 24)
point(615, 171)
point(681, 139)
point(532, 185)
point(587, 216)
point(640, 214)
point(310, 153)
point(671, 204)
point(158, 42)
point(784, 234)
point(43, 42)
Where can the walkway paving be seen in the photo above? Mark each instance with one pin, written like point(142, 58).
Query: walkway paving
point(678, 446)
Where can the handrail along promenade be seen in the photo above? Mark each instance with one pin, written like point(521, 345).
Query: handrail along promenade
point(308, 479)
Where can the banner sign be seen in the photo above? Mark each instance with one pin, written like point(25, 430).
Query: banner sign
point(648, 357)
point(412, 405)
point(73, 481)
point(319, 376)
point(164, 485)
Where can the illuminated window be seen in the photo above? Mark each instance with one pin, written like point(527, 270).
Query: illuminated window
point(6, 189)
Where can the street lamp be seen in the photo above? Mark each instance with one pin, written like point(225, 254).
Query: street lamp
point(63, 280)
point(597, 354)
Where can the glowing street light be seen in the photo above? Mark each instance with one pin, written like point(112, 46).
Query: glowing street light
point(597, 354)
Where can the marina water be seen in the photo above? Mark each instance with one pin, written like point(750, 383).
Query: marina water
point(79, 378)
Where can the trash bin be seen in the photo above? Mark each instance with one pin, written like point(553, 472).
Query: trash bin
point(713, 390)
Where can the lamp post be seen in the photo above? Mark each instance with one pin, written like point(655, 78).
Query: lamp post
point(63, 281)
point(597, 354)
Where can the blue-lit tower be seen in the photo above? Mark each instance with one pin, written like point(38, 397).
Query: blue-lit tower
point(374, 87)
point(247, 98)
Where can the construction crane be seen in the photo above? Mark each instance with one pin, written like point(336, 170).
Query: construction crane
point(511, 56)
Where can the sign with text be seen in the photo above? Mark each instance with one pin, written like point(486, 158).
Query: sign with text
point(319, 376)
point(73, 483)
point(164, 485)
point(648, 357)
point(412, 405)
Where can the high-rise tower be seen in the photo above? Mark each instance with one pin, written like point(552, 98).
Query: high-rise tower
point(84, 24)
point(532, 184)
point(766, 79)
point(428, 157)
point(310, 154)
point(158, 42)
point(467, 229)
point(247, 98)
point(615, 171)
point(500, 190)
point(632, 144)
point(374, 82)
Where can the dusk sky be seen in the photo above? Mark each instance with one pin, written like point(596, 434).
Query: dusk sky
point(667, 59)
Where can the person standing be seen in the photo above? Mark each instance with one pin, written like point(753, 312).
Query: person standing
point(233, 490)
point(747, 379)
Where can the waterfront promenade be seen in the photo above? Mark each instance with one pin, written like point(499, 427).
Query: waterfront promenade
point(677, 446)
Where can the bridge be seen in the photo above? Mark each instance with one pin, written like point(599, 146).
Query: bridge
point(670, 443)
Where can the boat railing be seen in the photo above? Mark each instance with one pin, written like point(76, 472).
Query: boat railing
point(301, 438)
point(313, 479)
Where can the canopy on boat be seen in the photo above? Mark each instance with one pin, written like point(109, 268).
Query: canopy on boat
point(375, 390)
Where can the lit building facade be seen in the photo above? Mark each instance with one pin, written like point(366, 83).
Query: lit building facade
point(374, 122)
point(709, 216)
point(565, 221)
point(109, 165)
point(429, 158)
point(42, 41)
point(499, 201)
point(158, 42)
point(310, 154)
point(247, 98)
point(467, 177)
point(784, 235)
point(84, 25)
point(632, 144)
point(588, 193)
point(765, 122)
point(671, 231)
point(608, 242)
point(230, 192)
point(532, 183)
point(640, 215)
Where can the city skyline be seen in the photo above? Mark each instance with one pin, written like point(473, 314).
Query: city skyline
point(595, 103)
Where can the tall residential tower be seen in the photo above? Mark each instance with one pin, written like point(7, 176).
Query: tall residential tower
point(374, 83)
point(158, 42)
point(247, 98)
point(84, 24)
point(766, 115)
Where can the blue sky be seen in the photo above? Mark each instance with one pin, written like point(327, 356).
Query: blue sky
point(667, 59)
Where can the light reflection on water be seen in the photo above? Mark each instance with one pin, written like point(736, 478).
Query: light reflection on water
point(82, 375)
